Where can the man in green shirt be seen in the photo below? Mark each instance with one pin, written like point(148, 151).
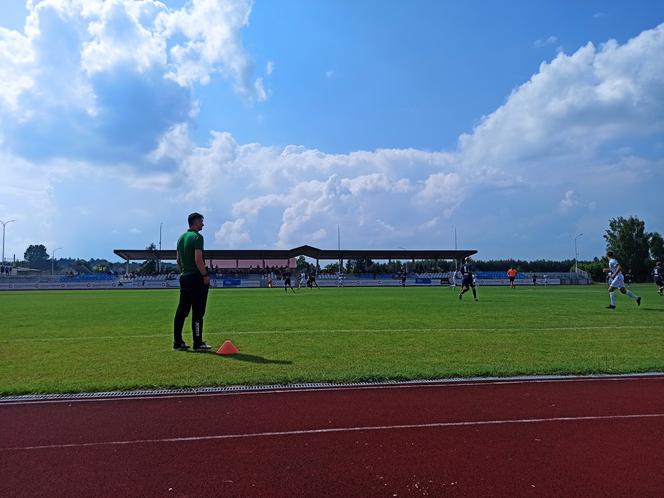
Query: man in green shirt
point(194, 285)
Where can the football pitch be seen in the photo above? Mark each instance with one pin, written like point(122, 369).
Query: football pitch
point(70, 341)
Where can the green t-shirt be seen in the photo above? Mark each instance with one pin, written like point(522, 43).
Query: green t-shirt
point(188, 242)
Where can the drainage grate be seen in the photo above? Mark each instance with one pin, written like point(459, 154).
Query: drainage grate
point(306, 385)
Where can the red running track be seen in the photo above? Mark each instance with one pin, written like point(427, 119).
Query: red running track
point(583, 437)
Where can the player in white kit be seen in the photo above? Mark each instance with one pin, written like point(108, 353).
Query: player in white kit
point(658, 277)
point(617, 281)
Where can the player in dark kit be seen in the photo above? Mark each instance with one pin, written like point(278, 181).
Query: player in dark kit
point(312, 281)
point(629, 278)
point(403, 278)
point(467, 271)
point(658, 277)
point(287, 282)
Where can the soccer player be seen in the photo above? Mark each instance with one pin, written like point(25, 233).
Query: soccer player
point(658, 277)
point(629, 278)
point(287, 282)
point(511, 274)
point(403, 278)
point(617, 281)
point(194, 285)
point(467, 271)
point(312, 281)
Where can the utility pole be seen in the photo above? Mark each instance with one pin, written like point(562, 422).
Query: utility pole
point(456, 260)
point(159, 261)
point(4, 224)
point(339, 248)
point(576, 255)
point(53, 259)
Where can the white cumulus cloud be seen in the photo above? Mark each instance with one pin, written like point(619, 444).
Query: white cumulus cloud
point(103, 80)
point(232, 234)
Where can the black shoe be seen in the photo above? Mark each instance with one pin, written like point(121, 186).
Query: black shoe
point(203, 346)
point(180, 346)
point(610, 307)
point(638, 301)
point(460, 296)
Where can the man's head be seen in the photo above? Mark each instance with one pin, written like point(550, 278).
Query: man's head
point(467, 260)
point(609, 254)
point(195, 221)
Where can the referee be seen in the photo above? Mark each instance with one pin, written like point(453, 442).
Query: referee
point(194, 285)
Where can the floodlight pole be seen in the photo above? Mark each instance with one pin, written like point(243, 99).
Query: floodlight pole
point(53, 259)
point(4, 224)
point(576, 255)
point(159, 260)
point(456, 261)
point(339, 249)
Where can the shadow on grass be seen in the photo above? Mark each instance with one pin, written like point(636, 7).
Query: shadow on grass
point(249, 358)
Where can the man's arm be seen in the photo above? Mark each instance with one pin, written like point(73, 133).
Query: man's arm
point(177, 257)
point(200, 264)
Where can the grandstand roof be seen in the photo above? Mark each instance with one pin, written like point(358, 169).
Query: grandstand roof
point(309, 251)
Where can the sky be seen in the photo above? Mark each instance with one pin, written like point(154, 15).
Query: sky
point(519, 124)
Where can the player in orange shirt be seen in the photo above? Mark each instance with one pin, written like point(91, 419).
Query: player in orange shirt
point(511, 274)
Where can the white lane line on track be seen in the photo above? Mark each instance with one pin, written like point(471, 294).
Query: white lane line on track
point(335, 430)
point(350, 387)
point(325, 331)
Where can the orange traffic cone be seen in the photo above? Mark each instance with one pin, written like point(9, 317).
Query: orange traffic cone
point(228, 348)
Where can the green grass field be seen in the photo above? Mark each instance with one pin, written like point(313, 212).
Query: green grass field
point(69, 341)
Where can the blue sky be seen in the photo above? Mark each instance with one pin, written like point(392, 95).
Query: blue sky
point(521, 124)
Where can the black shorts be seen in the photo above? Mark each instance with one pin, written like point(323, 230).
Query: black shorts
point(287, 282)
point(512, 279)
point(659, 281)
point(468, 281)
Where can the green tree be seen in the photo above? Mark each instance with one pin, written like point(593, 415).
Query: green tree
point(595, 268)
point(81, 266)
point(628, 239)
point(656, 247)
point(149, 267)
point(332, 267)
point(36, 256)
point(301, 264)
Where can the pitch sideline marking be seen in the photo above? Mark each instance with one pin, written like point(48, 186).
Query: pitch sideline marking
point(327, 331)
point(334, 430)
